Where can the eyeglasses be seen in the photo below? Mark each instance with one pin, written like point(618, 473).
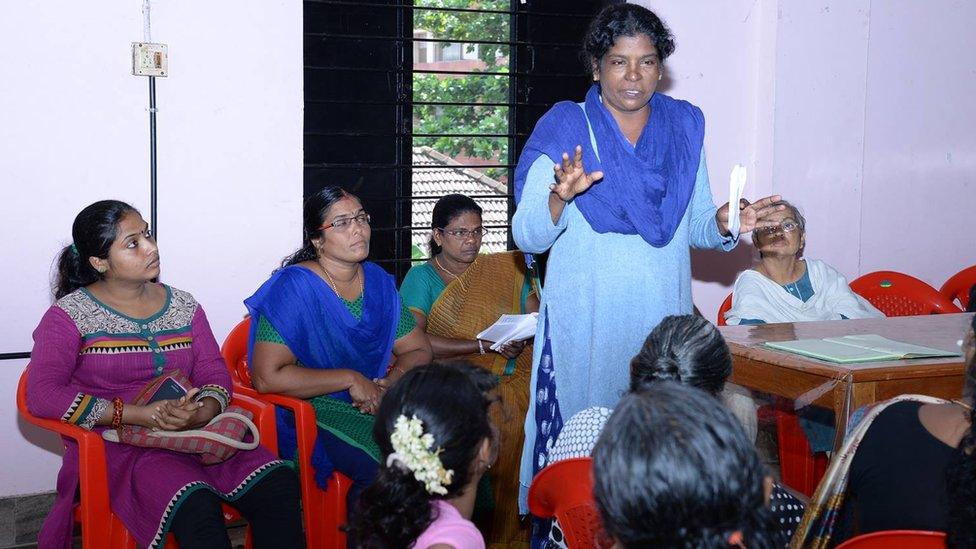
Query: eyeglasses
point(346, 222)
point(464, 234)
point(786, 226)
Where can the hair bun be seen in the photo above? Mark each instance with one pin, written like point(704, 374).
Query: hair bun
point(668, 367)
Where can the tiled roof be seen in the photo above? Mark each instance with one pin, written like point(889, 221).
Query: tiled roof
point(429, 184)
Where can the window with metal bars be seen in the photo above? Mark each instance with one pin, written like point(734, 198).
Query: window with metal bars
point(406, 101)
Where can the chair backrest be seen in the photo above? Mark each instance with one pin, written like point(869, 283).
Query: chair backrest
point(724, 308)
point(902, 539)
point(234, 351)
point(899, 294)
point(958, 285)
point(564, 490)
point(47, 424)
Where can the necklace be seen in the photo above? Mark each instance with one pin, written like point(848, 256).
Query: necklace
point(332, 283)
point(441, 267)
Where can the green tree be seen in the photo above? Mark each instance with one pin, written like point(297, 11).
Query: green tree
point(476, 88)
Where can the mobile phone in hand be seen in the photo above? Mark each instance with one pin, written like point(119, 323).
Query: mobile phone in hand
point(169, 389)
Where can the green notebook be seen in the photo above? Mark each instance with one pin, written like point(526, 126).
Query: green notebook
point(858, 348)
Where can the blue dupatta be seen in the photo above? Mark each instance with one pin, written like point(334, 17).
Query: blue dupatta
point(320, 331)
point(646, 188)
point(318, 328)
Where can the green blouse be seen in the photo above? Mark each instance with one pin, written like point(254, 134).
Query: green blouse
point(421, 288)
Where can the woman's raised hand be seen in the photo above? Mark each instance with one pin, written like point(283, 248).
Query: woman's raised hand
point(751, 216)
point(571, 179)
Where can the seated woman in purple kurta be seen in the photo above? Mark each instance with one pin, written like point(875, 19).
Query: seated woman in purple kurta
point(111, 331)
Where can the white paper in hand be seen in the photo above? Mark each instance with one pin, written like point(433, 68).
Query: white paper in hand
point(510, 328)
point(737, 185)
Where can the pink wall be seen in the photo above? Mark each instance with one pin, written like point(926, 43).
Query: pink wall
point(718, 65)
point(818, 111)
point(75, 129)
point(919, 194)
point(859, 112)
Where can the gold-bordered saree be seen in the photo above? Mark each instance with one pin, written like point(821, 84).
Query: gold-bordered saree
point(816, 530)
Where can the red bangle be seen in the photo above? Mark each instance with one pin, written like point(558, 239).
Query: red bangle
point(117, 406)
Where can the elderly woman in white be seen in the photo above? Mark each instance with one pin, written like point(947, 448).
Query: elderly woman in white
point(784, 288)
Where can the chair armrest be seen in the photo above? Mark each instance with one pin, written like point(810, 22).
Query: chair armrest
point(314, 503)
point(305, 425)
point(264, 418)
point(92, 473)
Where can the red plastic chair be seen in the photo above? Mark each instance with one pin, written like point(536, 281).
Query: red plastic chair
point(564, 490)
point(899, 294)
point(902, 539)
point(724, 308)
point(324, 511)
point(100, 527)
point(800, 468)
point(958, 285)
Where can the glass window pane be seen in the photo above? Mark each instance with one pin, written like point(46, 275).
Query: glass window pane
point(461, 148)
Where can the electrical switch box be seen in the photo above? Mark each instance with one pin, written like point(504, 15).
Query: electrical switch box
point(149, 59)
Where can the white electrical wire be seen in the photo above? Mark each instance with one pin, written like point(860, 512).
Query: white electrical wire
point(146, 27)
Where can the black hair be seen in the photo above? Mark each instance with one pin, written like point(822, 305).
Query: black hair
point(314, 211)
point(971, 308)
point(93, 232)
point(619, 20)
point(961, 473)
point(445, 210)
point(685, 348)
point(452, 401)
point(673, 468)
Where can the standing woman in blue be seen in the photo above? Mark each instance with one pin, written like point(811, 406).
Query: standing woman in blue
point(627, 199)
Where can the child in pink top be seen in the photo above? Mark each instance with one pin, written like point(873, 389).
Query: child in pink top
point(437, 440)
point(450, 528)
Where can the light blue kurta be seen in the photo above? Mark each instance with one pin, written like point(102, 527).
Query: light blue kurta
point(603, 293)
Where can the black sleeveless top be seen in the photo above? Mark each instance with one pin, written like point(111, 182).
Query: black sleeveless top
point(897, 477)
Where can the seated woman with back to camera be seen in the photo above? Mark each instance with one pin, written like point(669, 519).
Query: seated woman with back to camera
point(686, 349)
point(673, 468)
point(909, 464)
point(785, 288)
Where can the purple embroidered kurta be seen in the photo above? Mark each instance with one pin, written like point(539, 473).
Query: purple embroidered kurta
point(85, 354)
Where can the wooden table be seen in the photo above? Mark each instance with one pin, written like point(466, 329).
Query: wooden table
point(846, 387)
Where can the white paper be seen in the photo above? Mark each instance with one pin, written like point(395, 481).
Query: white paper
point(510, 328)
point(737, 184)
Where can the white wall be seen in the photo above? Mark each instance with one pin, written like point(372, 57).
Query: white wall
point(858, 111)
point(74, 129)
